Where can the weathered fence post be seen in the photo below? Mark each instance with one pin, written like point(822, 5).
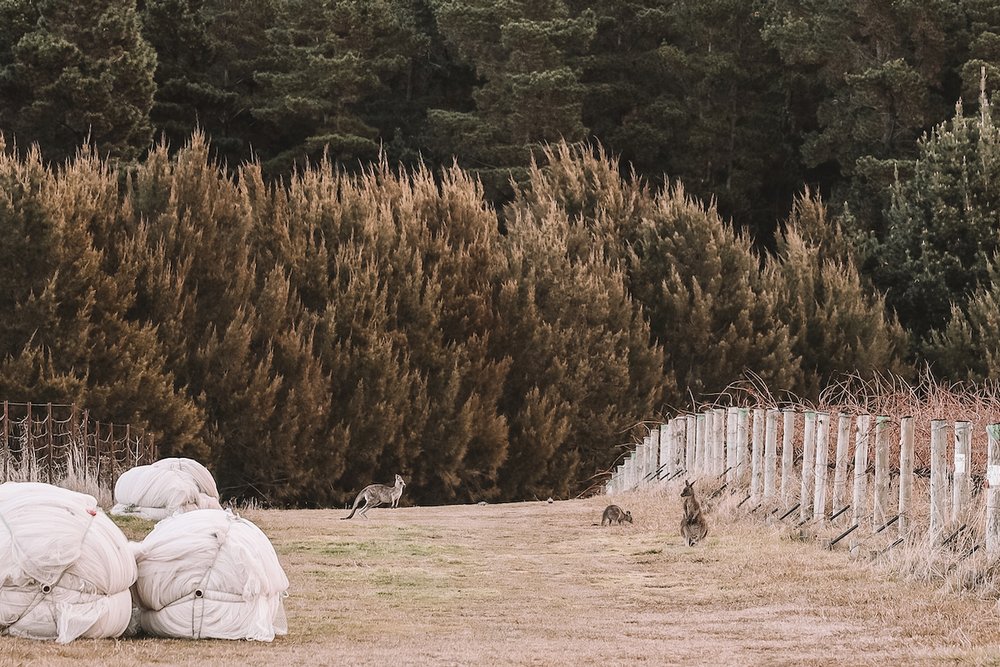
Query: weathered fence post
point(962, 491)
point(993, 489)
point(701, 443)
point(770, 452)
point(50, 453)
point(787, 455)
point(880, 511)
point(939, 479)
point(666, 455)
point(691, 444)
point(905, 474)
point(6, 441)
point(732, 424)
point(822, 457)
point(742, 436)
point(756, 453)
point(719, 440)
point(859, 502)
point(840, 465)
point(808, 451)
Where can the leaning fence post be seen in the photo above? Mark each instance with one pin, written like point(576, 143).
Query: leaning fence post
point(770, 452)
point(808, 450)
point(905, 474)
point(822, 457)
point(880, 513)
point(840, 464)
point(963, 458)
point(858, 504)
point(939, 478)
point(993, 489)
point(787, 456)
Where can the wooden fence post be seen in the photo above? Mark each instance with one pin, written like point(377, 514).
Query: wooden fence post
point(30, 444)
point(732, 424)
point(993, 489)
point(691, 444)
point(756, 454)
point(701, 442)
point(808, 451)
point(939, 479)
point(6, 441)
point(742, 437)
point(962, 491)
point(840, 464)
point(822, 458)
point(787, 456)
point(666, 462)
point(50, 453)
point(770, 452)
point(861, 440)
point(905, 474)
point(880, 511)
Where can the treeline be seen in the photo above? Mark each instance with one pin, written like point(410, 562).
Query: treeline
point(302, 339)
point(743, 101)
point(376, 255)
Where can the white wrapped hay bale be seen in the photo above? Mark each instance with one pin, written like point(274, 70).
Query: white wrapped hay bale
point(210, 574)
point(65, 567)
point(165, 488)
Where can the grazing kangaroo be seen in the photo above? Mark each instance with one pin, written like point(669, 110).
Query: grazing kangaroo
point(377, 494)
point(614, 514)
point(694, 527)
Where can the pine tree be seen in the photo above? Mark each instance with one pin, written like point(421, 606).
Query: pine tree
point(526, 55)
point(74, 77)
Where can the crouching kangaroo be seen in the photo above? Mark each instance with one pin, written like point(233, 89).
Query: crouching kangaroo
point(614, 514)
point(694, 527)
point(377, 494)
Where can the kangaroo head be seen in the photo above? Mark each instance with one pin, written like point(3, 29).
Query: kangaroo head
point(628, 517)
point(688, 489)
point(399, 481)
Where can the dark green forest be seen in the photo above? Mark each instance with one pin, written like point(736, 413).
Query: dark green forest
point(314, 244)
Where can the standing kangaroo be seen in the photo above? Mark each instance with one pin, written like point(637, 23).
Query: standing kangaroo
point(694, 527)
point(614, 514)
point(377, 494)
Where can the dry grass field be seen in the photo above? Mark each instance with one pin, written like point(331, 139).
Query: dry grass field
point(540, 584)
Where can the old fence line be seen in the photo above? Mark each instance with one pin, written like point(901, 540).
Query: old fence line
point(736, 450)
point(43, 441)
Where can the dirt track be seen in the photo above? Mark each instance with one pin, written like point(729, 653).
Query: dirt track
point(537, 583)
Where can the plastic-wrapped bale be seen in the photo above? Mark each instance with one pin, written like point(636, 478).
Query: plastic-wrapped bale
point(65, 567)
point(165, 488)
point(209, 574)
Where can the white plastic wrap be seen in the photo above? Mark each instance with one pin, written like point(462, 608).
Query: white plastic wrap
point(210, 574)
point(65, 567)
point(165, 488)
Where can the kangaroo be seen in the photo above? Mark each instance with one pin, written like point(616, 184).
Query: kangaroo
point(694, 527)
point(377, 494)
point(614, 514)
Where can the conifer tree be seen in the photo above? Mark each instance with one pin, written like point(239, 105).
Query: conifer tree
point(708, 304)
point(940, 228)
point(836, 325)
point(69, 336)
point(72, 77)
point(526, 55)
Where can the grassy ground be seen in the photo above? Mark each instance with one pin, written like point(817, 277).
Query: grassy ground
point(540, 584)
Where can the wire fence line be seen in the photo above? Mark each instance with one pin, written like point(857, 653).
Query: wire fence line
point(46, 441)
point(840, 474)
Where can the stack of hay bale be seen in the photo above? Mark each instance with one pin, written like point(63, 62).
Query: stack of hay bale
point(66, 570)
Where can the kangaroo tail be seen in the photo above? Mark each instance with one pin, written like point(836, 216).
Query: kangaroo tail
point(355, 508)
